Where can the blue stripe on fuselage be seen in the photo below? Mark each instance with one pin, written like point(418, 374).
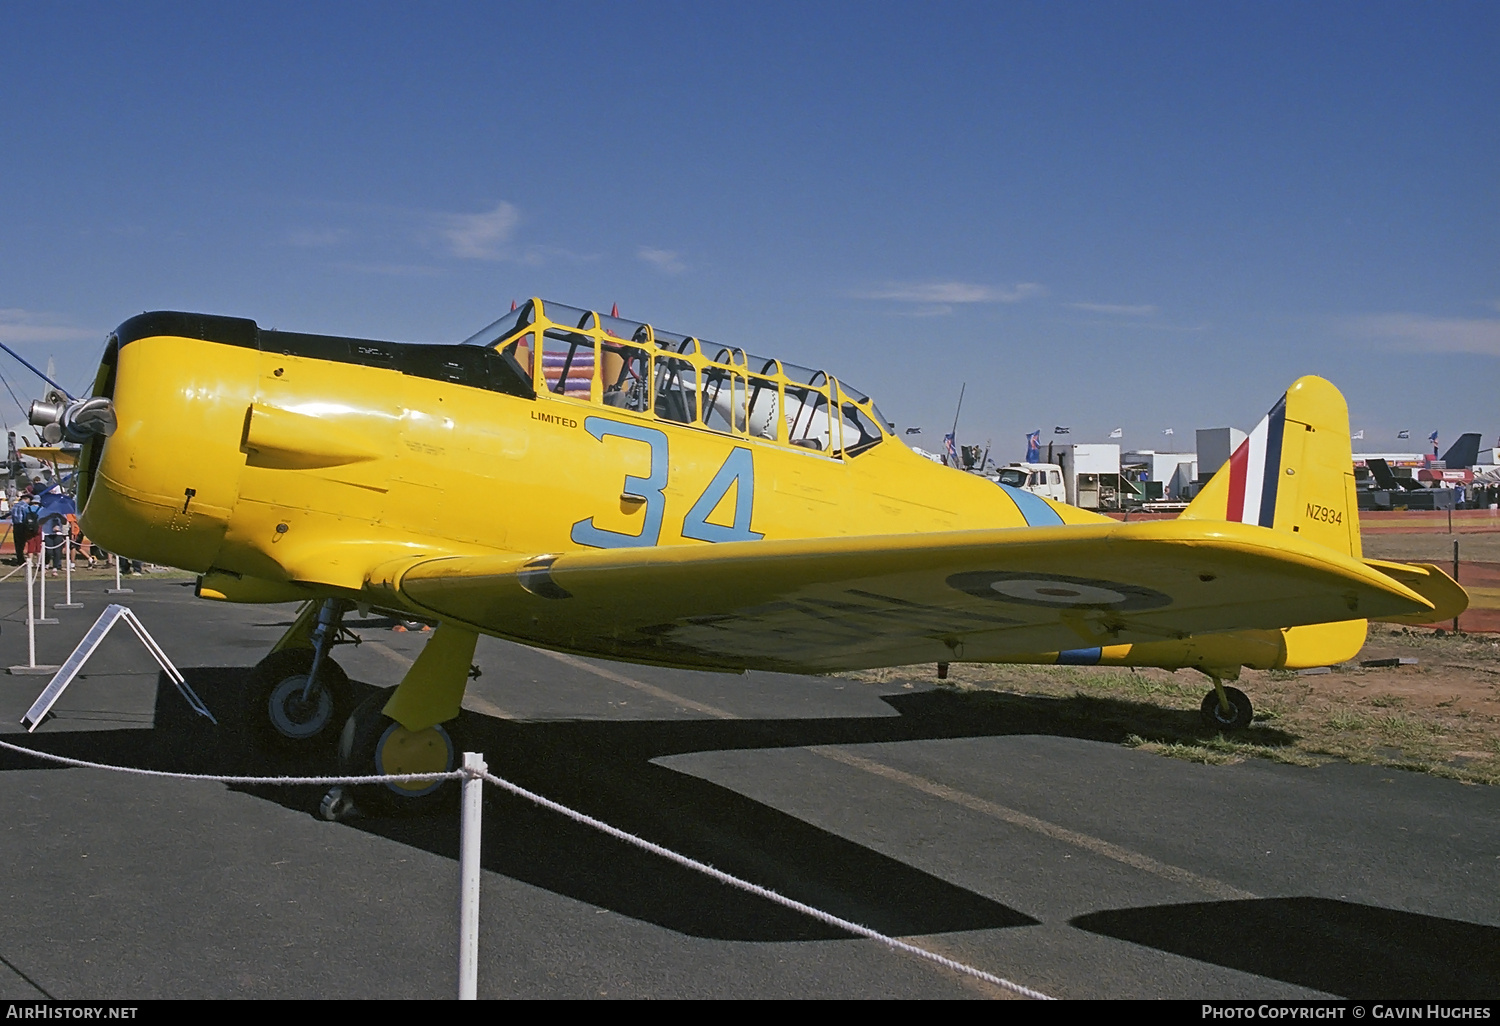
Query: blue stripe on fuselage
point(1036, 511)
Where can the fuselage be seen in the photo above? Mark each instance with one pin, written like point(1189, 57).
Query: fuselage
point(293, 462)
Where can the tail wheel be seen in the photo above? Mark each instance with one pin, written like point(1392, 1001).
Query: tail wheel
point(1238, 716)
point(286, 712)
point(373, 743)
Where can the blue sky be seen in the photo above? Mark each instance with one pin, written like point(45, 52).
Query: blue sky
point(1136, 215)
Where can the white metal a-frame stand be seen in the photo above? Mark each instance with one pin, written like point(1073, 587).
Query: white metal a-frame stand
point(70, 667)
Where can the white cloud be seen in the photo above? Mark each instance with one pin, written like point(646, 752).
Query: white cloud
point(953, 292)
point(479, 236)
point(668, 260)
point(1128, 310)
point(17, 325)
point(1480, 336)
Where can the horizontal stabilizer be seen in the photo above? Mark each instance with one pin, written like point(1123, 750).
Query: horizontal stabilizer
point(1447, 597)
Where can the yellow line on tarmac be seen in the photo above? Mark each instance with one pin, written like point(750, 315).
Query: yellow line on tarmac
point(640, 685)
point(1096, 845)
point(390, 653)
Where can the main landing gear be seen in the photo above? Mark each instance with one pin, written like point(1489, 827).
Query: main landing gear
point(298, 693)
point(301, 695)
point(1227, 708)
point(374, 743)
point(405, 730)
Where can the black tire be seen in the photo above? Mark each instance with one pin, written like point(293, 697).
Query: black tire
point(279, 717)
point(1239, 716)
point(368, 734)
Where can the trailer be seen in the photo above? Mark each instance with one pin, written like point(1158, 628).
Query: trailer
point(1091, 476)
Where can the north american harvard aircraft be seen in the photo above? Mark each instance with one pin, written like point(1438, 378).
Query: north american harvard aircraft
point(594, 485)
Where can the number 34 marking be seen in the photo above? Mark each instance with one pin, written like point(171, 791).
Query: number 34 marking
point(738, 472)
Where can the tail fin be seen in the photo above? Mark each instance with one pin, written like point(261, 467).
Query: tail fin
point(1294, 473)
point(1462, 453)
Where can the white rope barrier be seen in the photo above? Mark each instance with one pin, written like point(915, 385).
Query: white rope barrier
point(763, 892)
point(469, 773)
point(220, 779)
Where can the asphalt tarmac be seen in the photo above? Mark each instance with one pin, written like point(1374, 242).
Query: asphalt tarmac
point(1001, 833)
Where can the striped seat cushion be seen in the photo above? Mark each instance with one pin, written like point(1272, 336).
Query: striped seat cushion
point(580, 371)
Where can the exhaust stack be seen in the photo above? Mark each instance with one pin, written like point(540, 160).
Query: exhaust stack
point(72, 420)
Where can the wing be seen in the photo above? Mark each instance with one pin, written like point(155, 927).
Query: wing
point(63, 457)
point(847, 603)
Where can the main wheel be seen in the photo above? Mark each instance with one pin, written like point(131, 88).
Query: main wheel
point(283, 717)
point(373, 743)
point(1240, 712)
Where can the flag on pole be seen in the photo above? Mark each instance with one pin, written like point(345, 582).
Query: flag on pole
point(914, 431)
point(1403, 434)
point(1359, 435)
point(1117, 433)
point(1034, 446)
point(951, 449)
point(1168, 431)
point(1062, 430)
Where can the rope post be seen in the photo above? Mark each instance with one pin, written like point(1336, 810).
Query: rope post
point(67, 602)
point(30, 616)
point(1455, 576)
point(117, 589)
point(41, 572)
point(31, 622)
point(472, 801)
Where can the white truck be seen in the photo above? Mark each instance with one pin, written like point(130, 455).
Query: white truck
point(1044, 479)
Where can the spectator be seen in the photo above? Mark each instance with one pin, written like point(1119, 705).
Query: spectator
point(55, 510)
point(23, 523)
point(55, 539)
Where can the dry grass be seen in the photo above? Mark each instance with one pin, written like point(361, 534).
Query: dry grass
point(1441, 716)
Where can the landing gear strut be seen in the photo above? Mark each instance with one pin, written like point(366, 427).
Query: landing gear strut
point(299, 694)
point(1227, 708)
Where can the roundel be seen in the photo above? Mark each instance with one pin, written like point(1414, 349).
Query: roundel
point(1057, 591)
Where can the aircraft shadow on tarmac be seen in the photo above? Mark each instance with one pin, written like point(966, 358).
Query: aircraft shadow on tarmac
point(605, 768)
point(1355, 951)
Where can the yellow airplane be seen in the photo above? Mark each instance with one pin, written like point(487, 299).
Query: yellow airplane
point(594, 485)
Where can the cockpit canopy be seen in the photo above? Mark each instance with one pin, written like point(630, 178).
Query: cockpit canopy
point(631, 366)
